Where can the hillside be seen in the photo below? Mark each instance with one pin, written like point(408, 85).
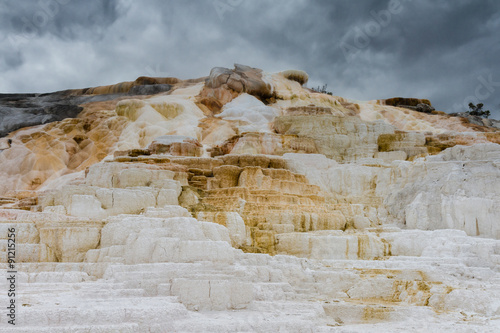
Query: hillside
point(244, 201)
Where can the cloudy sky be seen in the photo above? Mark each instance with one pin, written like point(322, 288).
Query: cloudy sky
point(445, 50)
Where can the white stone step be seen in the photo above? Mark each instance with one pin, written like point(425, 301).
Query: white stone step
point(104, 328)
point(272, 291)
point(77, 311)
point(359, 313)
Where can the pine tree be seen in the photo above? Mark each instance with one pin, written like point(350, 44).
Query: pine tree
point(477, 110)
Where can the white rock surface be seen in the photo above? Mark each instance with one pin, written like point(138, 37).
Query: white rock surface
point(458, 189)
point(109, 249)
point(249, 114)
point(178, 274)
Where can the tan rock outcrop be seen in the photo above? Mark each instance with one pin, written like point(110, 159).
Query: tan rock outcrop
point(397, 101)
point(176, 146)
point(295, 75)
point(242, 79)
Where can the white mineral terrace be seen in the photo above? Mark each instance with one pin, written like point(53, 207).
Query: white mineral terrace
point(214, 207)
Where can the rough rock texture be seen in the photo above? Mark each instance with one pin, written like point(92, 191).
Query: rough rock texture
point(412, 143)
point(175, 145)
point(256, 190)
point(296, 75)
point(48, 152)
point(242, 79)
point(184, 276)
point(399, 101)
point(244, 202)
point(420, 105)
point(480, 121)
point(23, 110)
point(340, 138)
point(436, 122)
point(457, 189)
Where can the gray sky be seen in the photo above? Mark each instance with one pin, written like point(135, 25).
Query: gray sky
point(443, 50)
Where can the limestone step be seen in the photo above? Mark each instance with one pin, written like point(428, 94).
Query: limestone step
point(201, 179)
point(136, 278)
point(93, 270)
point(104, 328)
point(97, 294)
point(98, 285)
point(77, 311)
point(358, 313)
point(394, 262)
point(296, 310)
point(55, 277)
point(108, 259)
point(198, 184)
point(170, 267)
point(270, 291)
point(114, 294)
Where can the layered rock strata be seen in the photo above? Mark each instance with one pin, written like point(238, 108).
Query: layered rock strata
point(181, 274)
point(245, 202)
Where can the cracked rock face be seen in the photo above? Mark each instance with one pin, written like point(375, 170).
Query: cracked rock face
point(245, 202)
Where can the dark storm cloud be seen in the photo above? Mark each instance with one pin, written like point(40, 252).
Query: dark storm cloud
point(66, 19)
point(446, 51)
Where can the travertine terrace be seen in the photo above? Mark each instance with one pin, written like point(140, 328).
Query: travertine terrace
point(245, 202)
